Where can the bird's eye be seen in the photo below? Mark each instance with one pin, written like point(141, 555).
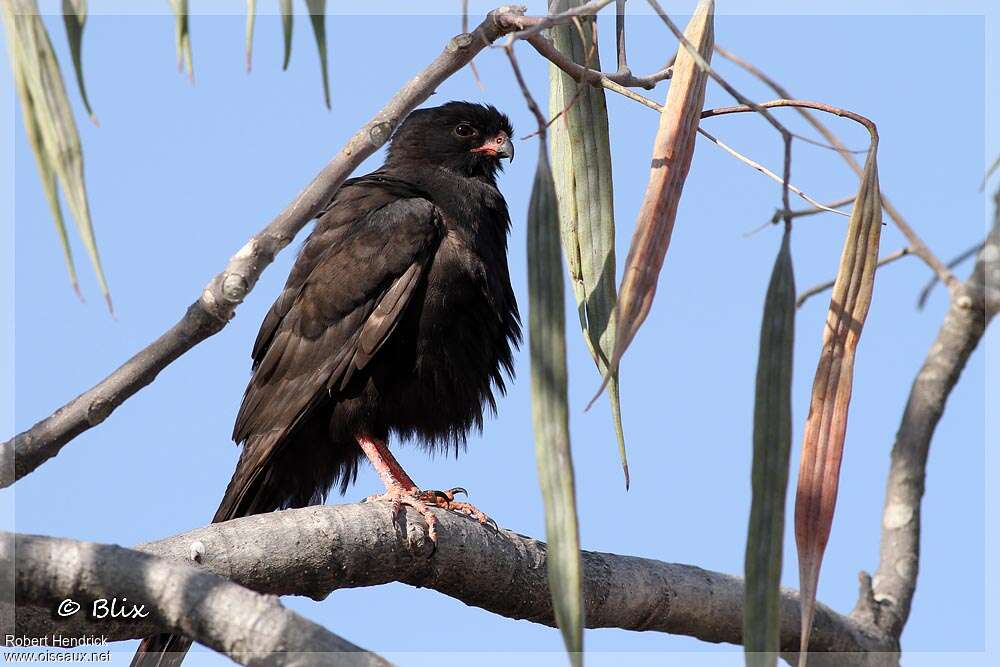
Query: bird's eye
point(465, 130)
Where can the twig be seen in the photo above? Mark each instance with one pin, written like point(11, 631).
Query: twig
point(620, 37)
point(248, 627)
point(737, 95)
point(593, 77)
point(472, 63)
point(915, 242)
point(989, 172)
point(767, 172)
point(822, 287)
point(496, 570)
point(218, 302)
point(532, 105)
point(532, 25)
point(926, 291)
point(780, 215)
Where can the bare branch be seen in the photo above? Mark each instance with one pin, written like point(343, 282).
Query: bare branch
point(926, 291)
point(591, 76)
point(217, 303)
point(317, 550)
point(973, 305)
point(915, 242)
point(822, 287)
point(472, 63)
point(246, 626)
point(620, 37)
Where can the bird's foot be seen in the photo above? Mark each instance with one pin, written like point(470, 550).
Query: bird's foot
point(398, 496)
point(446, 500)
point(422, 501)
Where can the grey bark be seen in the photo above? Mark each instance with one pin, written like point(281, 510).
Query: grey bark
point(250, 628)
point(973, 304)
point(317, 550)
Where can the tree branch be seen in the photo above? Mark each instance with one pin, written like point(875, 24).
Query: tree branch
point(973, 305)
point(917, 244)
point(217, 303)
point(822, 287)
point(317, 550)
point(246, 626)
point(594, 77)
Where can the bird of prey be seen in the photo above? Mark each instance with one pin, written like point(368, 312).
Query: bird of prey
point(398, 318)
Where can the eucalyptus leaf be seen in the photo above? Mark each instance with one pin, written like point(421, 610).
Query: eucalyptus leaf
point(182, 34)
point(581, 161)
point(287, 19)
point(50, 123)
point(772, 443)
point(74, 17)
point(251, 19)
point(550, 408)
point(317, 16)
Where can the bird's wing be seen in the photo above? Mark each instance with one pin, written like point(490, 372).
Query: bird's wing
point(340, 306)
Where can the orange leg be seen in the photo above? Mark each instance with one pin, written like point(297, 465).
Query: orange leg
point(400, 489)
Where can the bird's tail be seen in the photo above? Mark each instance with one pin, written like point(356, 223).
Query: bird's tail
point(163, 650)
point(273, 472)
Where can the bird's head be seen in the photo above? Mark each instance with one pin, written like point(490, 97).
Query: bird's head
point(467, 138)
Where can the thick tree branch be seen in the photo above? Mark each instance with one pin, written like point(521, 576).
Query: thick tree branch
point(973, 304)
point(246, 626)
point(217, 303)
point(317, 550)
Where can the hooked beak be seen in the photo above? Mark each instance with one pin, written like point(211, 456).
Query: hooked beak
point(499, 146)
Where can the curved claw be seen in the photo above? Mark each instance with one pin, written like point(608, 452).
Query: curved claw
point(455, 491)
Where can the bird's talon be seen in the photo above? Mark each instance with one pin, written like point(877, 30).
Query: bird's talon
point(455, 491)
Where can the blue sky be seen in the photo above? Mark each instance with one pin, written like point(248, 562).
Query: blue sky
point(180, 176)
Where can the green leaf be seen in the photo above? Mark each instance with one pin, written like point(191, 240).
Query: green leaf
point(50, 124)
point(287, 17)
point(549, 408)
point(772, 443)
point(183, 37)
point(317, 16)
point(251, 18)
point(74, 17)
point(581, 158)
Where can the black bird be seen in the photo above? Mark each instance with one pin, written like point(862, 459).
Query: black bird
point(398, 318)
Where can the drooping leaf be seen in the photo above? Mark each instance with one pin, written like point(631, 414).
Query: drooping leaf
point(317, 16)
point(251, 19)
point(581, 159)
point(46, 173)
point(74, 17)
point(287, 18)
point(826, 425)
point(772, 443)
point(182, 35)
point(672, 153)
point(549, 408)
point(50, 123)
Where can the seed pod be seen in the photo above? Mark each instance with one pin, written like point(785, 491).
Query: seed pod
point(826, 426)
point(549, 408)
point(581, 159)
point(772, 442)
point(672, 153)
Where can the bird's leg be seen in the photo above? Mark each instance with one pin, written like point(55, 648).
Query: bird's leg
point(400, 489)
